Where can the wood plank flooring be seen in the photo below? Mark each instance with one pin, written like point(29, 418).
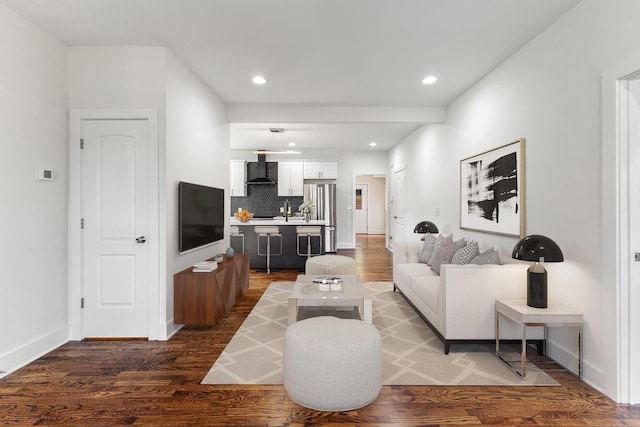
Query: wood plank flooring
point(106, 383)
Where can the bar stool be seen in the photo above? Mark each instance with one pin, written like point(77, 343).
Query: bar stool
point(268, 231)
point(234, 231)
point(309, 232)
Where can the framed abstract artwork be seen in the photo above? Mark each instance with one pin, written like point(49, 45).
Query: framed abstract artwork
point(492, 191)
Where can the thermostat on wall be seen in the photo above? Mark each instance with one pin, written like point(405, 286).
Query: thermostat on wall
point(43, 174)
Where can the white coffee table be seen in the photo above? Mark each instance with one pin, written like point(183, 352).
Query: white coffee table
point(306, 293)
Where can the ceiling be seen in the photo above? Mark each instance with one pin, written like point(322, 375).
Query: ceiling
point(340, 73)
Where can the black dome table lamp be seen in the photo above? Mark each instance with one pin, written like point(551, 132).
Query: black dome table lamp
point(538, 249)
point(425, 227)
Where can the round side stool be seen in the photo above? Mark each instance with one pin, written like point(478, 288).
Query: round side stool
point(332, 364)
point(330, 264)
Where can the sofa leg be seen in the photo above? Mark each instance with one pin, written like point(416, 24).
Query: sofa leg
point(394, 287)
point(447, 347)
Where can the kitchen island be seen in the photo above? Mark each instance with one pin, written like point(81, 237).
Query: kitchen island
point(289, 257)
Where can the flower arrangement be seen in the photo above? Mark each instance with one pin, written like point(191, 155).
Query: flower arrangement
point(307, 207)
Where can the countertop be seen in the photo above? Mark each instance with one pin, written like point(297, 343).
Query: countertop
point(278, 221)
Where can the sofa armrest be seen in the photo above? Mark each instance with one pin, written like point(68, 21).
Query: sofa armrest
point(468, 293)
point(406, 251)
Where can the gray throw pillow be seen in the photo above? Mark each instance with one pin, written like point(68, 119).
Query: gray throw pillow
point(466, 254)
point(439, 240)
point(445, 253)
point(490, 256)
point(427, 249)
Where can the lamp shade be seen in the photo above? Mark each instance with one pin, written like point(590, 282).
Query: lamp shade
point(537, 248)
point(425, 227)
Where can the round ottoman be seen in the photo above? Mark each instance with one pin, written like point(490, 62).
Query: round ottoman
point(332, 364)
point(330, 264)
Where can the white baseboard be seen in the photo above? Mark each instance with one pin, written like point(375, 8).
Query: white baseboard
point(569, 359)
point(171, 329)
point(376, 231)
point(21, 356)
point(345, 245)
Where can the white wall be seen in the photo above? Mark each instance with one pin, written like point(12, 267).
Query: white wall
point(193, 133)
point(33, 217)
point(549, 93)
point(117, 80)
point(349, 163)
point(197, 151)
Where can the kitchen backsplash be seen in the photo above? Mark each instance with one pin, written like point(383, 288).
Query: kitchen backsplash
point(263, 201)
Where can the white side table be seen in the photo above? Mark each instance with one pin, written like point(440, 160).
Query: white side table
point(554, 315)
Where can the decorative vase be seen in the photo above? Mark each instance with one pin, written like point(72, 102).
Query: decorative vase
point(307, 217)
point(230, 252)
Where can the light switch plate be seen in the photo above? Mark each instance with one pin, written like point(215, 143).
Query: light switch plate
point(43, 174)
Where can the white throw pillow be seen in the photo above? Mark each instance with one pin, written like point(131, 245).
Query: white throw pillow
point(490, 256)
point(466, 254)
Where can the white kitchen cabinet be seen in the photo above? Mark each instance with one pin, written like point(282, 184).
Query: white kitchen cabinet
point(320, 170)
point(290, 178)
point(238, 187)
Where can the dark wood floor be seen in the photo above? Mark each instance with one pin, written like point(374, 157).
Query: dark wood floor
point(108, 383)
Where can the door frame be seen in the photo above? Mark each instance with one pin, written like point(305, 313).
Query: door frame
point(393, 197)
point(616, 247)
point(366, 186)
point(77, 116)
point(352, 198)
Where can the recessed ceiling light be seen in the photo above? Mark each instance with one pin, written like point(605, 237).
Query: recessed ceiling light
point(292, 144)
point(429, 80)
point(372, 144)
point(259, 80)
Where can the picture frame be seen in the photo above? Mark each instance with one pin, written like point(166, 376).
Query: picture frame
point(492, 185)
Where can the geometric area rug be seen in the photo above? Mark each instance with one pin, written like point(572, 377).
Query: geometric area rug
point(411, 352)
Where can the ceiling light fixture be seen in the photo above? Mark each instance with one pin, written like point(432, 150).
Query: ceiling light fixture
point(292, 144)
point(429, 80)
point(372, 144)
point(275, 152)
point(259, 80)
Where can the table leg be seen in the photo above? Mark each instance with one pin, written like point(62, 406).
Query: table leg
point(367, 314)
point(580, 352)
point(293, 310)
point(523, 355)
point(497, 333)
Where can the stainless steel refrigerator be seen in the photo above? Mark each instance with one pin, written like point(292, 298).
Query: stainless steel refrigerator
point(324, 197)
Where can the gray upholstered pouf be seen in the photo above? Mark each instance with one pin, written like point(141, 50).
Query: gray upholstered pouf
point(330, 264)
point(332, 364)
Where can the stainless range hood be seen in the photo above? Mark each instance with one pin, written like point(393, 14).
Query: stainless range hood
point(261, 174)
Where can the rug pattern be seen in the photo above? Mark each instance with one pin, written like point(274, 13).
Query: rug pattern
point(412, 354)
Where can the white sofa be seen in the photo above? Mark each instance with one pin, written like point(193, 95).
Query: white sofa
point(459, 304)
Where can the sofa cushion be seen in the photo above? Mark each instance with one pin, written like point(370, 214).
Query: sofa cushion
point(489, 256)
point(439, 240)
point(427, 249)
point(466, 254)
point(405, 273)
point(426, 288)
point(445, 253)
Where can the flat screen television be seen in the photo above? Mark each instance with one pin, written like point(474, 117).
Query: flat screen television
point(200, 216)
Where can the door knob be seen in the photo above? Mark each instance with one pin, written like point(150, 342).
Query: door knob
point(141, 239)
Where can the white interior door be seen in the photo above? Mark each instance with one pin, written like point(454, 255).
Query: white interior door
point(400, 205)
point(362, 209)
point(115, 212)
